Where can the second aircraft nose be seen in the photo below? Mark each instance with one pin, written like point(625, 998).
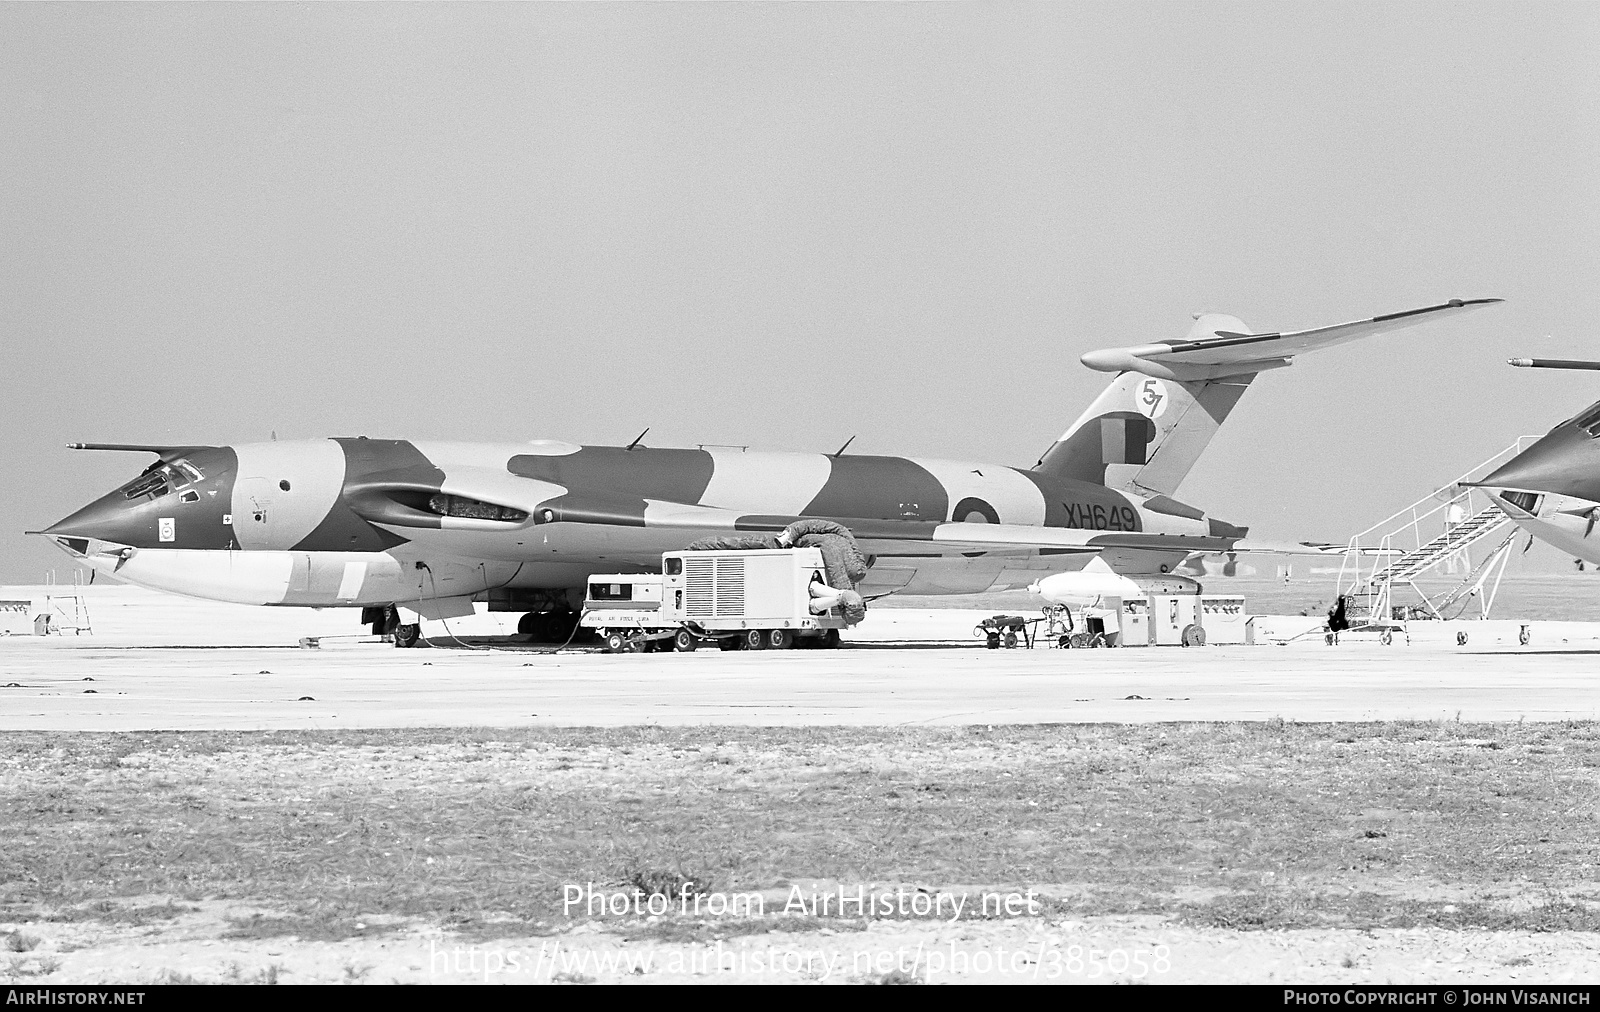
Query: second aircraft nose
point(1565, 462)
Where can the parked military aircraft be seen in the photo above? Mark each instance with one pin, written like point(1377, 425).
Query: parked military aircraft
point(429, 527)
point(1552, 489)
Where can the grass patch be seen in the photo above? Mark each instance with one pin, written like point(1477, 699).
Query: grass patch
point(1245, 825)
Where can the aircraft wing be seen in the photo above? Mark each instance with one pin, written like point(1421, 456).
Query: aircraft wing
point(962, 538)
point(1225, 352)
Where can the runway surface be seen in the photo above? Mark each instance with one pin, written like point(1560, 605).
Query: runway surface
point(163, 663)
point(376, 686)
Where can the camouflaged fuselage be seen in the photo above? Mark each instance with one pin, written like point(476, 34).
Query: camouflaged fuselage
point(363, 521)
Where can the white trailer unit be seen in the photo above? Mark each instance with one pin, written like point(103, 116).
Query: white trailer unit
point(751, 599)
point(1135, 622)
point(16, 618)
point(1174, 621)
point(1224, 619)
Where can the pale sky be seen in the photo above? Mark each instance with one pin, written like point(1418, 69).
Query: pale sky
point(783, 225)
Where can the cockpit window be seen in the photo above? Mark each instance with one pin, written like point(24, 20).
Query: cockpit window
point(1589, 421)
point(160, 478)
point(153, 483)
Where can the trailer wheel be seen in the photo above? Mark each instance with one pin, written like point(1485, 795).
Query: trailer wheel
point(1194, 636)
point(407, 635)
point(755, 639)
point(615, 643)
point(780, 639)
point(830, 639)
point(1011, 641)
point(684, 642)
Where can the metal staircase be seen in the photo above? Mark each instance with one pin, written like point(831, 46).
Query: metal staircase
point(1463, 518)
point(1453, 541)
point(66, 610)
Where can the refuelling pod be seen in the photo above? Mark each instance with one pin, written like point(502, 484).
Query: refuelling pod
point(1089, 587)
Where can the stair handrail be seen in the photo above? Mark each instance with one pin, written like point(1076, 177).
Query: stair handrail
point(1466, 493)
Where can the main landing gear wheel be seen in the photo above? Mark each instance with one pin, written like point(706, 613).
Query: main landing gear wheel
point(780, 639)
point(755, 639)
point(407, 635)
point(684, 642)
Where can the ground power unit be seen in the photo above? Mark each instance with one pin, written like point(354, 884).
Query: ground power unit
point(752, 600)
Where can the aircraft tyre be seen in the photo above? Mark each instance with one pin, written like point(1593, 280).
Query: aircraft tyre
point(684, 642)
point(780, 639)
point(407, 635)
point(755, 639)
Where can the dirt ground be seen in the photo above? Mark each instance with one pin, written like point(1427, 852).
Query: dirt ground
point(1423, 852)
point(1106, 950)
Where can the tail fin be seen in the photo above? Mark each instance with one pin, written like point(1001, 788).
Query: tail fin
point(1169, 398)
point(1144, 431)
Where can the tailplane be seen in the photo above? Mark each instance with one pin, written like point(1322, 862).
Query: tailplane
point(1147, 429)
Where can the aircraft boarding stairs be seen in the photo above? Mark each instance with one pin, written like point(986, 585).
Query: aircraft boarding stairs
point(1474, 537)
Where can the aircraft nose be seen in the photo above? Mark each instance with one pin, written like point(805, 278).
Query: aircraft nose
point(1564, 462)
point(108, 518)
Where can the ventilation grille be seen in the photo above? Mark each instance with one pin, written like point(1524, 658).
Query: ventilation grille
point(730, 586)
point(700, 579)
point(715, 587)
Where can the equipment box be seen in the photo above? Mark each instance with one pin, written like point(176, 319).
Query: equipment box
point(1170, 616)
point(16, 618)
point(1135, 623)
point(1223, 619)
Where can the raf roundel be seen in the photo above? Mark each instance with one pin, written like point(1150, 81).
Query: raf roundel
point(1152, 398)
